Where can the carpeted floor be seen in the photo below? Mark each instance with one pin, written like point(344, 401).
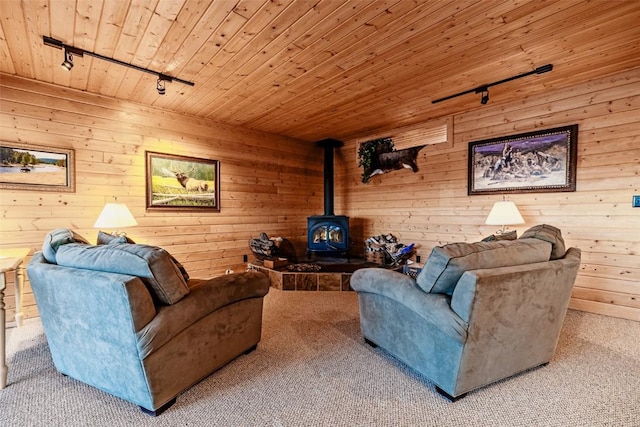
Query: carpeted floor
point(312, 368)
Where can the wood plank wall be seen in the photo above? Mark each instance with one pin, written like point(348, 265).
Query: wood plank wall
point(268, 183)
point(271, 183)
point(432, 208)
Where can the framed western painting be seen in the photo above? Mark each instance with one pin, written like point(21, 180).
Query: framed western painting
point(182, 183)
point(540, 161)
point(36, 167)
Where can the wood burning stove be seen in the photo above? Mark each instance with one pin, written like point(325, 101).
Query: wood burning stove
point(328, 234)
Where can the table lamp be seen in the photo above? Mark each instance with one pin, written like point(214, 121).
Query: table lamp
point(504, 213)
point(115, 215)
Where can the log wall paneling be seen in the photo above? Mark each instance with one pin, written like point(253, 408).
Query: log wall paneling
point(432, 207)
point(272, 183)
point(268, 183)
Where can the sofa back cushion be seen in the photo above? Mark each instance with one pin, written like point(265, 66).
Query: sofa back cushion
point(447, 263)
point(110, 239)
point(550, 234)
point(152, 264)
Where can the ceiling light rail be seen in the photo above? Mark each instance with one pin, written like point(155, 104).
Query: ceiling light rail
point(70, 51)
point(484, 89)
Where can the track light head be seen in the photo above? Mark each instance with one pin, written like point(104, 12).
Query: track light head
point(67, 64)
point(485, 97)
point(544, 69)
point(160, 86)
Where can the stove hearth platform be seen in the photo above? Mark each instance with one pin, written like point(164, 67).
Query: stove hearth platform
point(334, 275)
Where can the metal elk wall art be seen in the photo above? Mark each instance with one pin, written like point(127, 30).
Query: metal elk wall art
point(182, 183)
point(541, 161)
point(379, 156)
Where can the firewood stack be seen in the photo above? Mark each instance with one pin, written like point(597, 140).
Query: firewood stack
point(385, 249)
point(265, 247)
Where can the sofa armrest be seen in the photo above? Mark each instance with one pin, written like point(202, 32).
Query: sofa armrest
point(391, 283)
point(206, 296)
point(403, 289)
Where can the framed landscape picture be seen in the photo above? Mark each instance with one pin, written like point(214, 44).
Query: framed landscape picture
point(182, 183)
point(36, 167)
point(540, 161)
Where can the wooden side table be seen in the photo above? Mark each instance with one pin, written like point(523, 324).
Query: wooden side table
point(10, 260)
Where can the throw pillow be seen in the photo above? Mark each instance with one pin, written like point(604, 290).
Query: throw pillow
point(56, 238)
point(447, 263)
point(511, 235)
point(180, 268)
point(152, 264)
point(107, 239)
point(550, 234)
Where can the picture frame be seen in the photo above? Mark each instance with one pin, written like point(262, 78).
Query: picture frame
point(532, 162)
point(181, 183)
point(36, 167)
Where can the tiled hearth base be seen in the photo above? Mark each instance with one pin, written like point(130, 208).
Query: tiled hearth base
point(303, 281)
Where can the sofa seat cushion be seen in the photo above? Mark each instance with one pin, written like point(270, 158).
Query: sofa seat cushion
point(550, 234)
point(152, 264)
point(56, 238)
point(206, 296)
point(447, 263)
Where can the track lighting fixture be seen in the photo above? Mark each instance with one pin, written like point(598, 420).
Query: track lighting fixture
point(68, 60)
point(484, 89)
point(485, 96)
point(70, 51)
point(160, 87)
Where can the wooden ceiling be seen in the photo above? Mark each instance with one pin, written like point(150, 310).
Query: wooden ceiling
point(320, 68)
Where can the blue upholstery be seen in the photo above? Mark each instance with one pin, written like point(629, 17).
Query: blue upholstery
point(55, 239)
point(547, 233)
point(446, 264)
point(104, 327)
point(499, 318)
point(152, 264)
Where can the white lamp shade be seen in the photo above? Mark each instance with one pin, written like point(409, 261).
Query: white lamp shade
point(115, 215)
point(504, 213)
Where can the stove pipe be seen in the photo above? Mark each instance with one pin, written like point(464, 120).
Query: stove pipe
point(328, 145)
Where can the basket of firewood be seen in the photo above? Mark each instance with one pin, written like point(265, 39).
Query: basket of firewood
point(375, 257)
point(386, 250)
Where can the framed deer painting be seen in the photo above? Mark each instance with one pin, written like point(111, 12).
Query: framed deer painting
point(182, 183)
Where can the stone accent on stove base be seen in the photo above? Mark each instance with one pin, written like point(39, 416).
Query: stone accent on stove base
point(305, 281)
